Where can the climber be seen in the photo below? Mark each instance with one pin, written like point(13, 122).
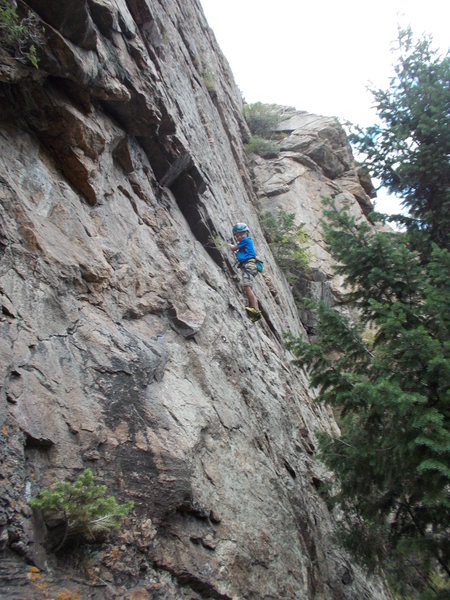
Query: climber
point(246, 257)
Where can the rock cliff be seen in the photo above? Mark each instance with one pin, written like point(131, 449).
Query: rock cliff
point(124, 345)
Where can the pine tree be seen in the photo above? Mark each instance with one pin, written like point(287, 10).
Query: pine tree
point(387, 375)
point(409, 151)
point(383, 360)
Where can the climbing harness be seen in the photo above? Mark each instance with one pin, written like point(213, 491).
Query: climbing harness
point(259, 264)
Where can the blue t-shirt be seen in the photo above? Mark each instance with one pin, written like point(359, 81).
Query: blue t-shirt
point(246, 249)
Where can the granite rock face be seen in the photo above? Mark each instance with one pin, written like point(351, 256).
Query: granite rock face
point(315, 163)
point(124, 345)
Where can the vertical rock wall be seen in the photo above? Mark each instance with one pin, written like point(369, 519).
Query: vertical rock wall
point(124, 346)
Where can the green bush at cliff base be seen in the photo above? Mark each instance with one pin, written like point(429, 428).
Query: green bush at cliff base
point(19, 36)
point(85, 509)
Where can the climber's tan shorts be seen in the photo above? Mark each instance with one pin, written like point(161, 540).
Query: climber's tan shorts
point(248, 272)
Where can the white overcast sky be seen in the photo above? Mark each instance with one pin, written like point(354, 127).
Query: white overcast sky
point(319, 55)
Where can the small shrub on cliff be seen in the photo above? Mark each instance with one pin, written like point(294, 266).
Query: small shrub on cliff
point(82, 507)
point(262, 122)
point(262, 147)
point(19, 36)
point(215, 242)
point(209, 81)
point(261, 119)
point(288, 243)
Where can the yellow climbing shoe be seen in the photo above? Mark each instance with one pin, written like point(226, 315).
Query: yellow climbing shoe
point(254, 314)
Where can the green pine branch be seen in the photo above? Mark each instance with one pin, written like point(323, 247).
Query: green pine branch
point(86, 510)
